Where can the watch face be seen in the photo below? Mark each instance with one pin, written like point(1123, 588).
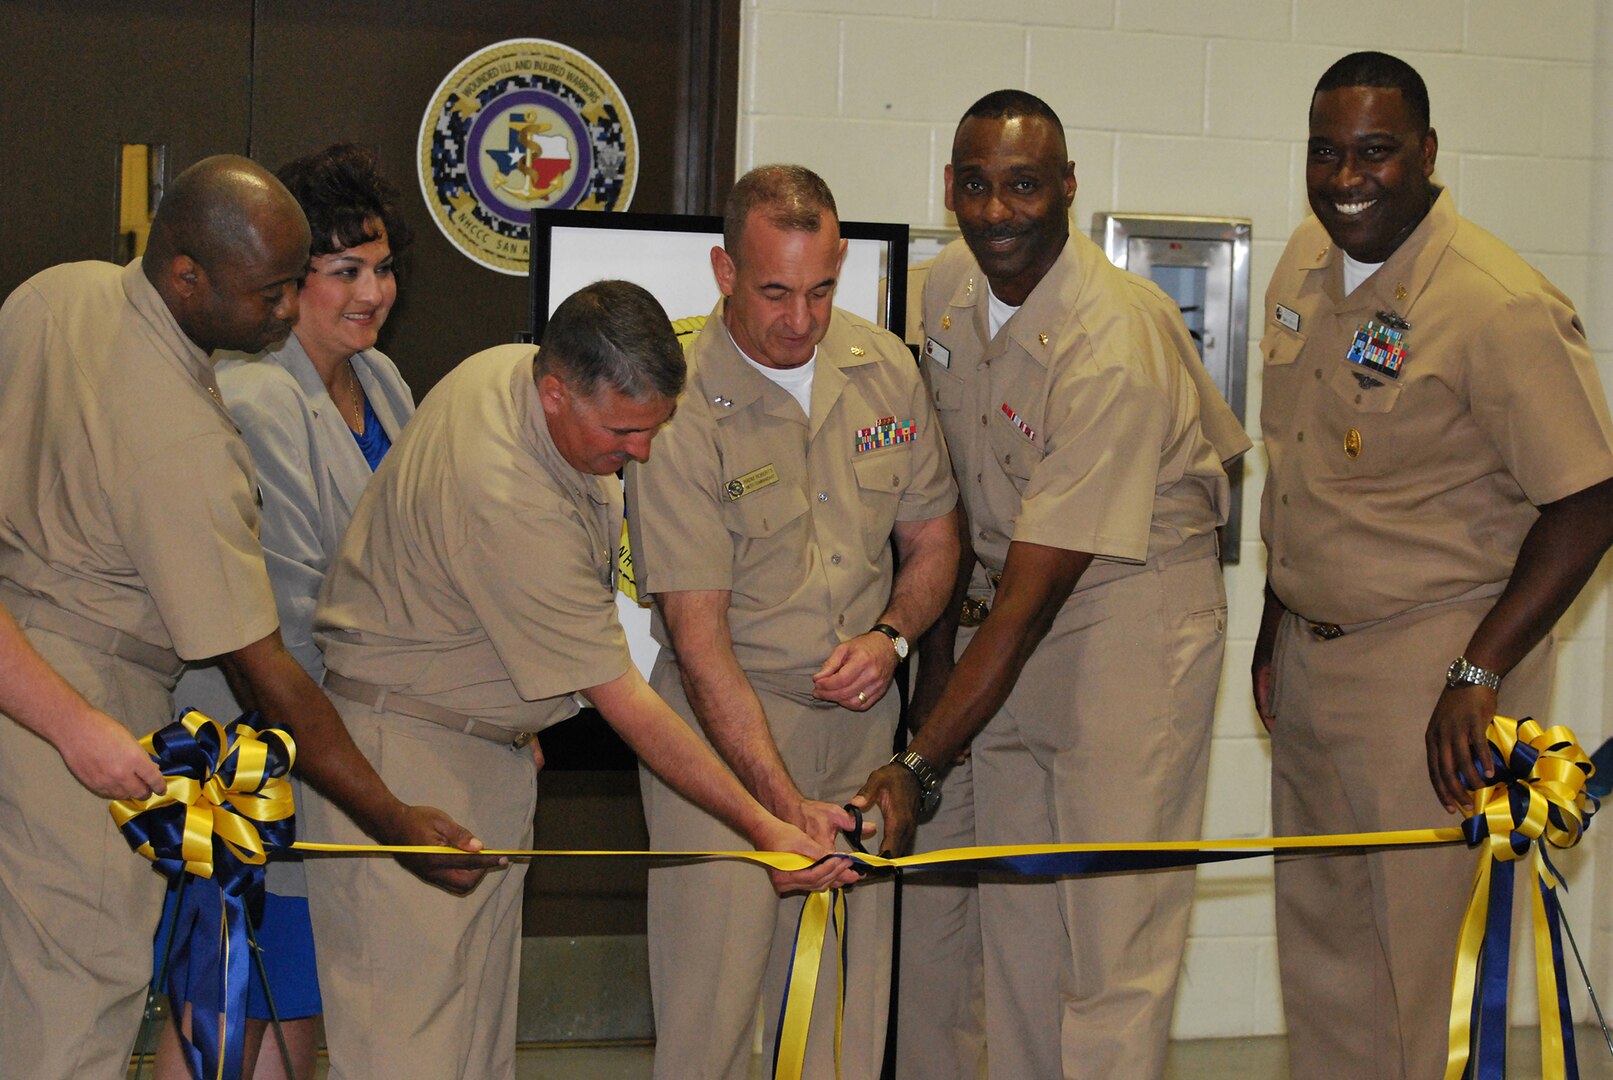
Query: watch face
point(901, 647)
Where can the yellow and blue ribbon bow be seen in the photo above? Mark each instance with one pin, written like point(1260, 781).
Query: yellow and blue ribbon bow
point(1537, 798)
point(226, 806)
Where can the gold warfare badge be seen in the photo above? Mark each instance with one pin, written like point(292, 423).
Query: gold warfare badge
point(522, 125)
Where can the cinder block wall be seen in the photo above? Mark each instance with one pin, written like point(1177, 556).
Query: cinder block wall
point(1182, 106)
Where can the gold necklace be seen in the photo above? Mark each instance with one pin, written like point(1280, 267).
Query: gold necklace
point(358, 414)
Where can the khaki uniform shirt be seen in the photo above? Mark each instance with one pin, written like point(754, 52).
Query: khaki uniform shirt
point(478, 572)
point(1496, 409)
point(793, 516)
point(126, 494)
point(1079, 426)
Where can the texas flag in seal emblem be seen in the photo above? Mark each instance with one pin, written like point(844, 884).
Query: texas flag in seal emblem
point(534, 163)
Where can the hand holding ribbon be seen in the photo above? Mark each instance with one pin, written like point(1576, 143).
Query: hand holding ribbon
point(227, 806)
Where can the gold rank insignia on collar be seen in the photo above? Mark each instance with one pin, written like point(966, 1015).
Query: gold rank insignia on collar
point(946, 322)
point(858, 350)
point(969, 286)
point(1400, 290)
point(1042, 338)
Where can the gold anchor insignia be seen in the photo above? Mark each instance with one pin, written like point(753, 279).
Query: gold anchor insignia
point(1042, 338)
point(1352, 443)
point(1400, 290)
point(858, 350)
point(969, 286)
point(946, 322)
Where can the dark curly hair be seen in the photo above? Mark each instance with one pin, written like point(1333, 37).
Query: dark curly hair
point(341, 190)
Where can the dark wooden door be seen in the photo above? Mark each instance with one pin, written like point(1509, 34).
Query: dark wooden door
point(279, 78)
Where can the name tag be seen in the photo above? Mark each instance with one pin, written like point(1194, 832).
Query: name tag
point(1288, 317)
point(755, 480)
point(938, 352)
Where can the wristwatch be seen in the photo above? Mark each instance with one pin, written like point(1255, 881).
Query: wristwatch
point(1463, 673)
point(896, 638)
point(929, 780)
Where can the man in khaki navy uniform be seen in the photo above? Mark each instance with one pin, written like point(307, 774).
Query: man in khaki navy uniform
point(1090, 467)
point(128, 540)
point(762, 527)
point(472, 598)
point(1439, 491)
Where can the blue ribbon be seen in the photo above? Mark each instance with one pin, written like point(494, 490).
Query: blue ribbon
point(227, 806)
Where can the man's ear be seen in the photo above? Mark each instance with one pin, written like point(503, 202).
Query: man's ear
point(185, 276)
point(723, 269)
point(551, 391)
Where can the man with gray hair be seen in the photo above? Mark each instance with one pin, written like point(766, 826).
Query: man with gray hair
point(472, 600)
point(128, 544)
point(762, 527)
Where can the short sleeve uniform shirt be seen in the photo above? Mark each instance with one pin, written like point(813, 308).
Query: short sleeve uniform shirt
point(478, 571)
point(126, 494)
point(1413, 477)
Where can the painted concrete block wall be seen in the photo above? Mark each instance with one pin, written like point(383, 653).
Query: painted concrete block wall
point(1200, 107)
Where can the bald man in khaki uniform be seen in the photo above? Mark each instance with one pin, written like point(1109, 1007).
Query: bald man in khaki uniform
point(472, 599)
point(128, 540)
point(1090, 469)
point(1440, 491)
point(763, 528)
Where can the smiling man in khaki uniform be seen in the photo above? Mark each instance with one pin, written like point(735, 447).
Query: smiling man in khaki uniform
point(128, 540)
point(762, 527)
point(1089, 463)
point(472, 600)
point(1439, 489)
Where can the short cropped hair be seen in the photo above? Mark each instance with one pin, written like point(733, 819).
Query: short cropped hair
point(1005, 104)
point(615, 334)
point(791, 197)
point(342, 192)
point(1379, 70)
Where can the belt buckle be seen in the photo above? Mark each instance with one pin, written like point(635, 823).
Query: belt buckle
point(520, 742)
point(1327, 631)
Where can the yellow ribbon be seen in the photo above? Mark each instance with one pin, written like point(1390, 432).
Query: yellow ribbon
point(1556, 782)
point(227, 803)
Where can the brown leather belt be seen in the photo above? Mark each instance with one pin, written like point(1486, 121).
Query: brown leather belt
point(30, 610)
point(382, 699)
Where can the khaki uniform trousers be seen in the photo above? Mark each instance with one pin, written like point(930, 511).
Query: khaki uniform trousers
point(720, 940)
point(941, 1005)
point(418, 982)
point(1366, 944)
point(77, 907)
point(1105, 738)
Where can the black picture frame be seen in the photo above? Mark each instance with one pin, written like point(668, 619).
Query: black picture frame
point(892, 304)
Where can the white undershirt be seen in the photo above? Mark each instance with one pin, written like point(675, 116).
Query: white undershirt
point(1356, 272)
point(796, 381)
point(997, 312)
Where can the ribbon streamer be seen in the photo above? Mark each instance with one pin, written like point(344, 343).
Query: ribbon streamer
point(1537, 795)
point(227, 804)
point(1537, 798)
